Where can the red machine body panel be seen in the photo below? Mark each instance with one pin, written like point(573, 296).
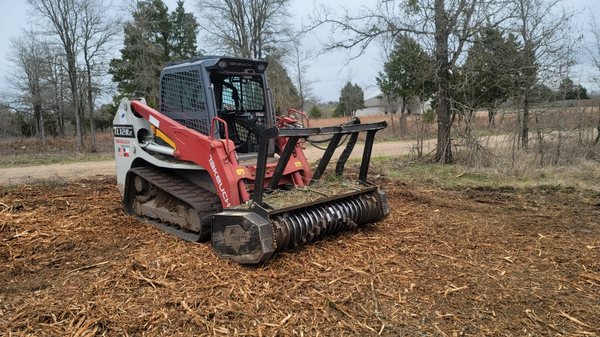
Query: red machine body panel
point(233, 182)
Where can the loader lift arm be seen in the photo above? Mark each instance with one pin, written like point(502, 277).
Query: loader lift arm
point(216, 155)
point(254, 234)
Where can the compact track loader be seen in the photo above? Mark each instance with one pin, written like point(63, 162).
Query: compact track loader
point(215, 163)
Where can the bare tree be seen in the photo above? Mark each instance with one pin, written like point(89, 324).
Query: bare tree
point(594, 48)
point(29, 58)
point(542, 26)
point(444, 26)
point(299, 59)
point(65, 18)
point(594, 52)
point(246, 28)
point(97, 31)
point(8, 123)
point(58, 88)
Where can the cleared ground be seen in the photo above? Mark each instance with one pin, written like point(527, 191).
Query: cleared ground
point(479, 261)
point(72, 171)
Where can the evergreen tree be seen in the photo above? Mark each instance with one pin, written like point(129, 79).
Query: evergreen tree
point(285, 94)
point(568, 90)
point(152, 39)
point(541, 93)
point(352, 98)
point(315, 112)
point(491, 73)
point(184, 31)
point(408, 73)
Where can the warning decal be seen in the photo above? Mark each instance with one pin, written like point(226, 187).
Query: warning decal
point(123, 151)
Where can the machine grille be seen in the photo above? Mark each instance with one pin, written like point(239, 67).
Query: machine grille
point(182, 98)
point(249, 92)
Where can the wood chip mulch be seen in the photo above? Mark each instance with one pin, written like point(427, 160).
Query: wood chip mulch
point(464, 262)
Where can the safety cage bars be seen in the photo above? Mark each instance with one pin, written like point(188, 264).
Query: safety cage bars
point(353, 128)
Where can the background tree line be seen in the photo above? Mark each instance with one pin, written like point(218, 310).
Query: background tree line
point(467, 55)
point(460, 55)
point(61, 70)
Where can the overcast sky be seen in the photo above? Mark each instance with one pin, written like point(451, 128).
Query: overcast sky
point(327, 72)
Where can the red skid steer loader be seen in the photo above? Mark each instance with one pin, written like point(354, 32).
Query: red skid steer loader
point(215, 163)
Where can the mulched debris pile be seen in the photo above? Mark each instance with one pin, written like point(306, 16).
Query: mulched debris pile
point(444, 263)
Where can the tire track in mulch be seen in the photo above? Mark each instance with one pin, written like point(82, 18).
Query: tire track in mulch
point(468, 262)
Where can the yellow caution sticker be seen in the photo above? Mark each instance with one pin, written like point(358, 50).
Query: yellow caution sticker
point(240, 172)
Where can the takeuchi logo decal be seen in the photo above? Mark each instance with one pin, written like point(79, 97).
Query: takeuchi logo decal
point(235, 237)
point(123, 131)
point(220, 186)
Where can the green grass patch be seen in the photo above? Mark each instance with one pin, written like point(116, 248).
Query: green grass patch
point(584, 174)
point(34, 159)
point(447, 176)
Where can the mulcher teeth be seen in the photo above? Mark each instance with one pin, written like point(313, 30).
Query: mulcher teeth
point(247, 237)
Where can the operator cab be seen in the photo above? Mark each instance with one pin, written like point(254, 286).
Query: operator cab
point(195, 91)
point(240, 97)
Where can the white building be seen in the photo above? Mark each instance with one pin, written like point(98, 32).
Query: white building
point(378, 106)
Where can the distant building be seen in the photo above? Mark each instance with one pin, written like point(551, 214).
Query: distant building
point(378, 106)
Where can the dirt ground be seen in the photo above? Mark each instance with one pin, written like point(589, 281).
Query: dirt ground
point(73, 171)
point(467, 262)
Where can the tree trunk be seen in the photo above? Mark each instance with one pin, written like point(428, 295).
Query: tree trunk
point(525, 123)
point(492, 118)
point(540, 139)
point(72, 69)
point(61, 113)
point(598, 136)
point(92, 122)
point(530, 79)
point(58, 103)
point(38, 121)
point(403, 116)
point(90, 103)
point(443, 154)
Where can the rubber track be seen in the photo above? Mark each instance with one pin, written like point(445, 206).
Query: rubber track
point(204, 202)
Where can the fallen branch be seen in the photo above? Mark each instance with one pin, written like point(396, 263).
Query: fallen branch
point(153, 283)
point(341, 310)
point(86, 267)
point(197, 318)
point(454, 289)
point(532, 316)
point(573, 319)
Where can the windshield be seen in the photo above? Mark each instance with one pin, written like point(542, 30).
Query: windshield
point(242, 94)
point(241, 104)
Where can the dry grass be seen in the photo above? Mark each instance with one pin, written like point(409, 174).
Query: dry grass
point(28, 151)
point(325, 188)
point(567, 160)
point(22, 145)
